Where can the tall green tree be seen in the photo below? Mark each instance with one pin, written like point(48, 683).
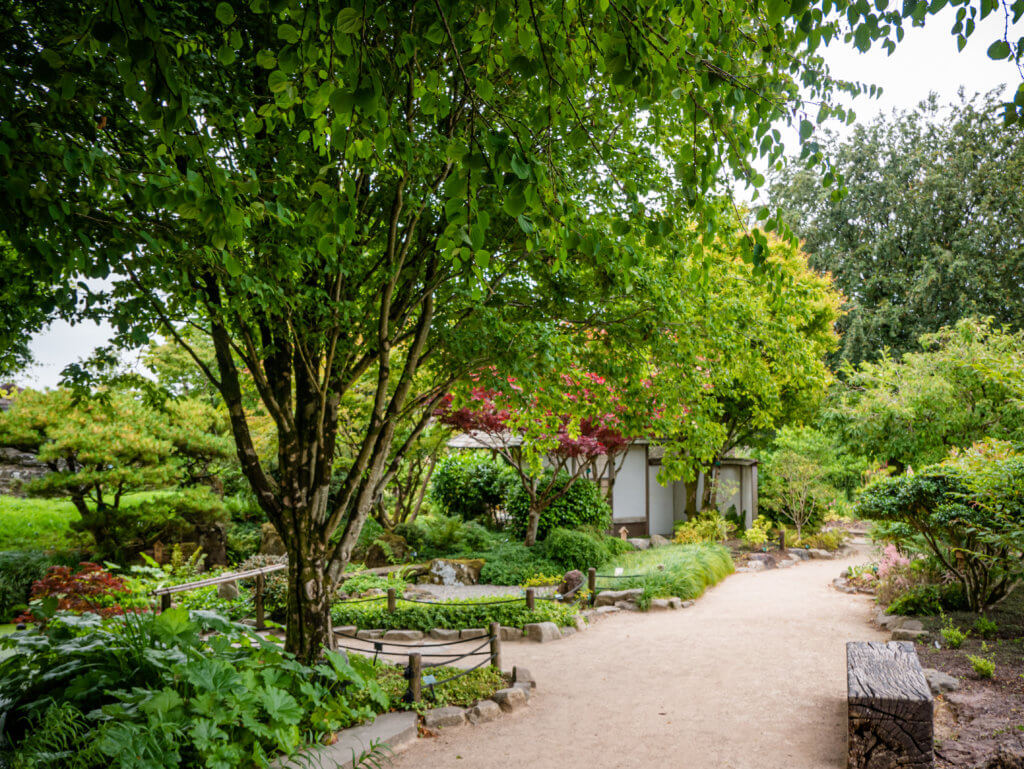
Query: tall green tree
point(960, 387)
point(390, 192)
point(932, 227)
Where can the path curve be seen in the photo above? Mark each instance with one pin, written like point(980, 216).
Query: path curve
point(753, 676)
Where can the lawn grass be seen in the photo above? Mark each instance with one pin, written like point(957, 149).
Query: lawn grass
point(684, 571)
point(28, 523)
point(36, 523)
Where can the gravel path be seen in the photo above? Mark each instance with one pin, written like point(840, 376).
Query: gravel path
point(751, 677)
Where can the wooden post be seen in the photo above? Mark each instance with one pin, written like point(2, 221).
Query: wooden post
point(392, 600)
point(496, 645)
point(165, 602)
point(258, 600)
point(530, 598)
point(592, 584)
point(415, 676)
point(782, 540)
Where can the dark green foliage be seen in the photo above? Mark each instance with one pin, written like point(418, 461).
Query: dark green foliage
point(582, 505)
point(275, 584)
point(461, 614)
point(18, 570)
point(930, 229)
point(438, 536)
point(471, 485)
point(976, 544)
point(243, 540)
point(928, 600)
point(575, 549)
point(512, 563)
point(233, 700)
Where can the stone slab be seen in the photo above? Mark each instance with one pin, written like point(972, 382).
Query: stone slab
point(484, 711)
point(370, 635)
point(396, 730)
point(440, 718)
point(403, 635)
point(473, 632)
point(444, 634)
point(542, 632)
point(511, 633)
point(521, 675)
point(612, 597)
point(510, 699)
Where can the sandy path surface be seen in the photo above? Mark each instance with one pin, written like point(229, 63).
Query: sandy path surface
point(751, 677)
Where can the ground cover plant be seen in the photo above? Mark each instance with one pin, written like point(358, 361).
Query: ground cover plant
point(44, 524)
point(509, 611)
point(148, 690)
point(464, 692)
point(684, 571)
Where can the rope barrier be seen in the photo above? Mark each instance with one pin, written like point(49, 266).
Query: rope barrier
point(455, 658)
point(490, 658)
point(460, 605)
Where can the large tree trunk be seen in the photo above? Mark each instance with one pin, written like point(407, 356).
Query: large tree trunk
point(308, 630)
point(533, 523)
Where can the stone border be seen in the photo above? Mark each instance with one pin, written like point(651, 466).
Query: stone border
point(399, 730)
point(795, 555)
point(541, 632)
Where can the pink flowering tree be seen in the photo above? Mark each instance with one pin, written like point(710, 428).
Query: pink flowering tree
point(579, 424)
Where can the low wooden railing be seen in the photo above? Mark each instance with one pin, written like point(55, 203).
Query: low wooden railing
point(165, 593)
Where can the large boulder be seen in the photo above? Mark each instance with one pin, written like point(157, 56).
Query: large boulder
point(542, 632)
point(270, 541)
point(571, 582)
point(388, 548)
point(455, 571)
point(659, 541)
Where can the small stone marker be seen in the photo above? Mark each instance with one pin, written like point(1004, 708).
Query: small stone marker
point(623, 533)
point(889, 707)
point(439, 718)
point(485, 710)
point(509, 699)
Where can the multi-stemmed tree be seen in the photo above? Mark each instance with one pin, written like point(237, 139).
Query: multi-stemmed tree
point(381, 195)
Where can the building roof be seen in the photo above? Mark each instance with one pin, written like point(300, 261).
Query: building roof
point(478, 439)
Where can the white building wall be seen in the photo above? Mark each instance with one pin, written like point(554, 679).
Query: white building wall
point(629, 495)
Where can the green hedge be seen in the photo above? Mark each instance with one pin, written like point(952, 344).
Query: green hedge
point(452, 615)
point(582, 506)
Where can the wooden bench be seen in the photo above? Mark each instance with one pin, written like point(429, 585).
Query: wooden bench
point(890, 707)
point(165, 593)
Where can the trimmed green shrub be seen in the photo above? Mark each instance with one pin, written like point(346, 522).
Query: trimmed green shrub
point(928, 600)
point(581, 506)
point(575, 549)
point(512, 563)
point(471, 485)
point(454, 615)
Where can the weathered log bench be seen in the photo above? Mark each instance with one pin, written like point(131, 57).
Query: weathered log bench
point(165, 593)
point(890, 707)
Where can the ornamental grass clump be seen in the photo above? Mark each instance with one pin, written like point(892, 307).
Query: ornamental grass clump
point(683, 571)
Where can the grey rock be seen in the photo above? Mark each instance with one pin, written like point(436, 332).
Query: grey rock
point(511, 633)
point(904, 634)
point(521, 675)
point(542, 632)
point(754, 566)
point(526, 688)
point(627, 606)
point(227, 590)
point(612, 597)
point(640, 543)
point(759, 557)
point(270, 541)
point(889, 621)
point(675, 603)
point(442, 717)
point(659, 541)
point(510, 699)
point(687, 604)
point(607, 610)
point(444, 634)
point(403, 635)
point(802, 555)
point(346, 629)
point(484, 711)
point(660, 604)
point(568, 631)
point(579, 622)
point(571, 582)
point(940, 682)
point(819, 553)
point(473, 632)
point(912, 624)
point(370, 635)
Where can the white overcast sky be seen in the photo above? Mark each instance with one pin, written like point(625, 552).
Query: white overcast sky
point(926, 61)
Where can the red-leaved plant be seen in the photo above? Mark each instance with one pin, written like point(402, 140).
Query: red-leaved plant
point(89, 589)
